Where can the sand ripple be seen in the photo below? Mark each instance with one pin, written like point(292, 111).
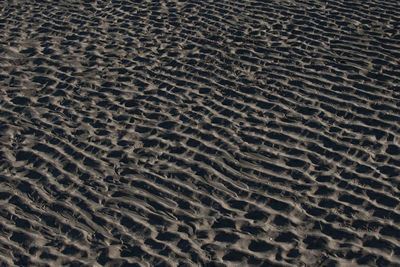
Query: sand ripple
point(210, 133)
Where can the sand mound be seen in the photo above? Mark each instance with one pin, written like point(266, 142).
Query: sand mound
point(210, 133)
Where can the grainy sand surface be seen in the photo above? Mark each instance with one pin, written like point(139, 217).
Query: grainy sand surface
point(200, 133)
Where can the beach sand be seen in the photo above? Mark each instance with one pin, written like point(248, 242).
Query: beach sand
point(199, 133)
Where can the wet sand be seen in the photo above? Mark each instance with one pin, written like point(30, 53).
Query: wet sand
point(199, 133)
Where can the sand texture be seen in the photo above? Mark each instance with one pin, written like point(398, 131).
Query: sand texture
point(200, 133)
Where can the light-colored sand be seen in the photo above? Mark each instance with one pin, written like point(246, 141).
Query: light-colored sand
point(199, 133)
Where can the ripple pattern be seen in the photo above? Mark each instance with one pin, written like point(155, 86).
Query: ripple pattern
point(199, 133)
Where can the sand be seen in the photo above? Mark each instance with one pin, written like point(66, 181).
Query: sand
point(199, 133)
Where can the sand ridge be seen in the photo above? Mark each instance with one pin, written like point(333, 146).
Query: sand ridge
point(199, 133)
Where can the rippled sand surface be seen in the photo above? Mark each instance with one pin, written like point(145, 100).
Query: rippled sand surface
point(199, 133)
